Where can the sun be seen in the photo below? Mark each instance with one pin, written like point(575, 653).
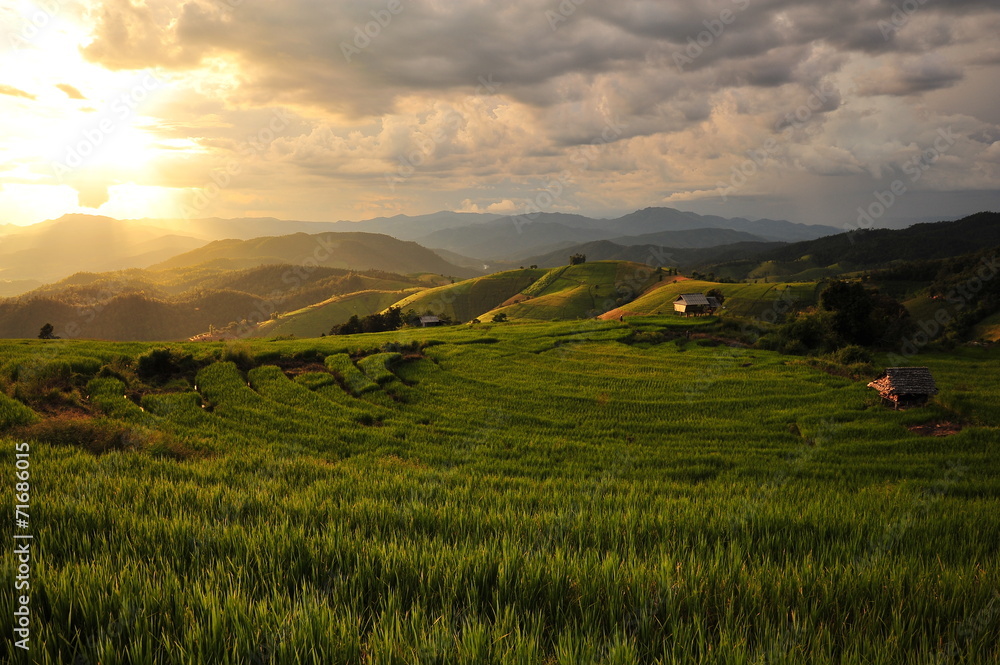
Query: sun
point(70, 123)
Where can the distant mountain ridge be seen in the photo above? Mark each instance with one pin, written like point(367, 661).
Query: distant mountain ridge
point(516, 237)
point(347, 250)
point(57, 248)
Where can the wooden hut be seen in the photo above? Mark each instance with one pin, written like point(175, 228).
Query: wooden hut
point(429, 321)
point(692, 303)
point(903, 387)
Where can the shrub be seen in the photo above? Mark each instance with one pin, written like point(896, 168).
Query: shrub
point(97, 436)
point(854, 355)
point(239, 354)
point(164, 364)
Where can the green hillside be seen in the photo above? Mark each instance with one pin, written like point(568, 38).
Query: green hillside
point(505, 494)
point(865, 249)
point(988, 329)
point(468, 299)
point(753, 300)
point(580, 291)
point(318, 318)
point(179, 303)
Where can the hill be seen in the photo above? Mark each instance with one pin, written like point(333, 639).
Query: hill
point(317, 319)
point(690, 238)
point(653, 220)
point(878, 248)
point(58, 248)
point(183, 302)
point(349, 250)
point(468, 299)
point(511, 237)
point(753, 300)
point(515, 237)
point(575, 292)
point(655, 255)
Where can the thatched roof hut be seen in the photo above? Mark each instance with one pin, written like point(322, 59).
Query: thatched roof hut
point(694, 303)
point(903, 387)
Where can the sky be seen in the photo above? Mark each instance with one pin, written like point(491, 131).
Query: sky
point(850, 113)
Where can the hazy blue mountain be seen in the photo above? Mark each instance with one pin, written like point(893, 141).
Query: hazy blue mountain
point(57, 248)
point(653, 254)
point(690, 238)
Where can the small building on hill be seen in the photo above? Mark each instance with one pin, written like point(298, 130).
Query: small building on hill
point(428, 321)
point(695, 304)
point(904, 387)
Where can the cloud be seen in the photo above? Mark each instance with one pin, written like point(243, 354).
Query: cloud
point(16, 92)
point(475, 104)
point(910, 76)
point(504, 207)
point(70, 91)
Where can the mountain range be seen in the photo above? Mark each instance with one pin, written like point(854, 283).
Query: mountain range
point(303, 283)
point(52, 250)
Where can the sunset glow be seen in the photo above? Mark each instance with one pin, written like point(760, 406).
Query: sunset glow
point(319, 111)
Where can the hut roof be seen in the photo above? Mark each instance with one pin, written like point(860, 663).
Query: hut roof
point(905, 381)
point(713, 302)
point(692, 299)
point(430, 319)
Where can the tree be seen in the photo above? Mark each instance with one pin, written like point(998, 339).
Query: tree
point(47, 332)
point(851, 305)
point(863, 316)
point(577, 259)
point(499, 317)
point(717, 294)
point(350, 327)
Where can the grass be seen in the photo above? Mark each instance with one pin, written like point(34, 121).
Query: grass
point(511, 493)
point(470, 298)
point(748, 300)
point(320, 318)
point(578, 292)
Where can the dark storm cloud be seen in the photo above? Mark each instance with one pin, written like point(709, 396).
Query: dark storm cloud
point(643, 101)
point(313, 52)
point(910, 77)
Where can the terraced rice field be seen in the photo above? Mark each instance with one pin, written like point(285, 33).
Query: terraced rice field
point(516, 493)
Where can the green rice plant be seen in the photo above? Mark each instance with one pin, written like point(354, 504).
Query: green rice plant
point(13, 413)
point(376, 366)
point(555, 496)
point(354, 380)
